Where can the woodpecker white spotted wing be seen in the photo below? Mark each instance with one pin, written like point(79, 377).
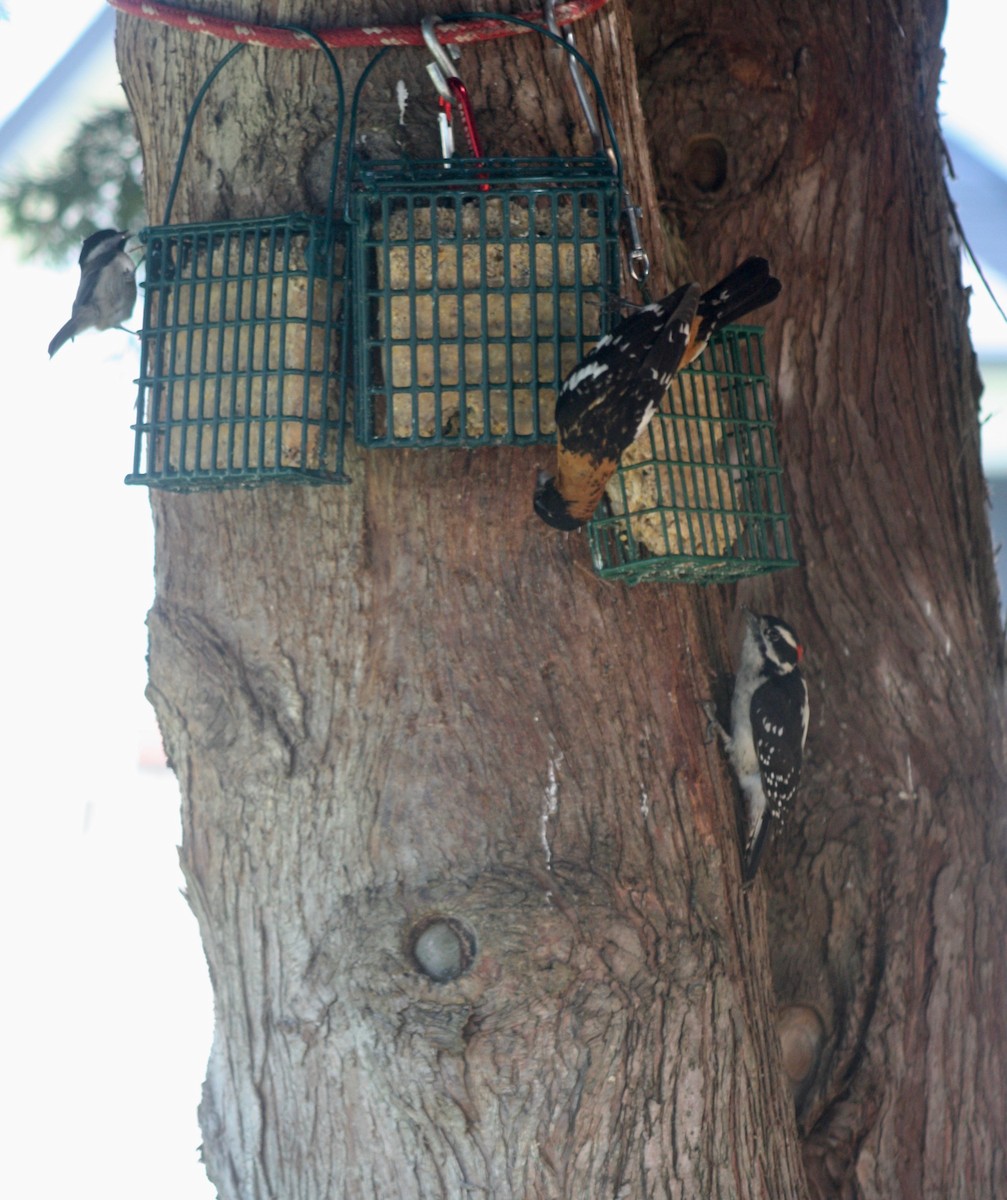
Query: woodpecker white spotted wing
point(779, 718)
point(608, 399)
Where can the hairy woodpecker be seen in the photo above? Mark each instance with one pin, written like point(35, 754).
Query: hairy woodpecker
point(769, 726)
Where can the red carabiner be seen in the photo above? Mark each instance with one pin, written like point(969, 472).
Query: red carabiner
point(461, 95)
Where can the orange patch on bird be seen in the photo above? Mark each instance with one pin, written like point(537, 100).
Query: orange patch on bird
point(581, 480)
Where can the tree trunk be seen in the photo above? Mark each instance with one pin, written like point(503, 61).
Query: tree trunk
point(886, 905)
point(466, 873)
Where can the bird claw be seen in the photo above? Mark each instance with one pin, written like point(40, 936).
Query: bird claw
point(712, 724)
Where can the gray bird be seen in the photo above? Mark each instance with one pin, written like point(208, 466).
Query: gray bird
point(107, 290)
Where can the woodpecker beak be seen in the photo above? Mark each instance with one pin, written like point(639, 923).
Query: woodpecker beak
point(542, 480)
point(751, 617)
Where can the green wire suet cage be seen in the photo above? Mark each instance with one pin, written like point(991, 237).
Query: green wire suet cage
point(478, 285)
point(242, 380)
point(699, 498)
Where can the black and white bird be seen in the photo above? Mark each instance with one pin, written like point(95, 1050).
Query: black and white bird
point(769, 726)
point(106, 293)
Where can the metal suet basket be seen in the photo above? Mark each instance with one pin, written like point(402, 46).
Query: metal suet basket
point(242, 377)
point(699, 498)
point(478, 285)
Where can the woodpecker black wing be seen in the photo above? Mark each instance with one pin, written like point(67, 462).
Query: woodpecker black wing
point(779, 730)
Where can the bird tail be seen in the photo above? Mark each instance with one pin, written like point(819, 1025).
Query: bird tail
point(64, 335)
point(748, 287)
point(754, 847)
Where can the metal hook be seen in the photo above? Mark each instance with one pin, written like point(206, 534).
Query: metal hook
point(639, 260)
point(444, 58)
point(445, 79)
point(450, 89)
point(575, 75)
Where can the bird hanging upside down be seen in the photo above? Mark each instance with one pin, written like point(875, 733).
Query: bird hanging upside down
point(608, 399)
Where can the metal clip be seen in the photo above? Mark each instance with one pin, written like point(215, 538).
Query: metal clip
point(446, 130)
point(441, 71)
point(578, 80)
point(444, 57)
point(639, 260)
point(450, 89)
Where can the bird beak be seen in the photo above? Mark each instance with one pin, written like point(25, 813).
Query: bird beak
point(751, 617)
point(137, 247)
point(542, 481)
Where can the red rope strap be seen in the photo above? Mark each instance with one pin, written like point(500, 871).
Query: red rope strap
point(343, 36)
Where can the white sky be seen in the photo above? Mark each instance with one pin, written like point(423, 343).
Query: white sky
point(106, 1006)
point(971, 101)
point(37, 35)
point(972, 107)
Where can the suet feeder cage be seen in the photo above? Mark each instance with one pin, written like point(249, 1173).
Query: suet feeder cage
point(699, 498)
point(479, 283)
point(242, 378)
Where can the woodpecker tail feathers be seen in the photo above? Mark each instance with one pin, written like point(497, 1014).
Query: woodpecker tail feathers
point(754, 846)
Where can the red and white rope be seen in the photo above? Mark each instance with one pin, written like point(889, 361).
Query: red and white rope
point(344, 36)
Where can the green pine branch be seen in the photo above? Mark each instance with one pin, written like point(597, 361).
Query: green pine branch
point(94, 184)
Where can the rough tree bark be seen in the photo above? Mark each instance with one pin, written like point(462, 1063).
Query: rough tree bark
point(407, 701)
point(886, 909)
